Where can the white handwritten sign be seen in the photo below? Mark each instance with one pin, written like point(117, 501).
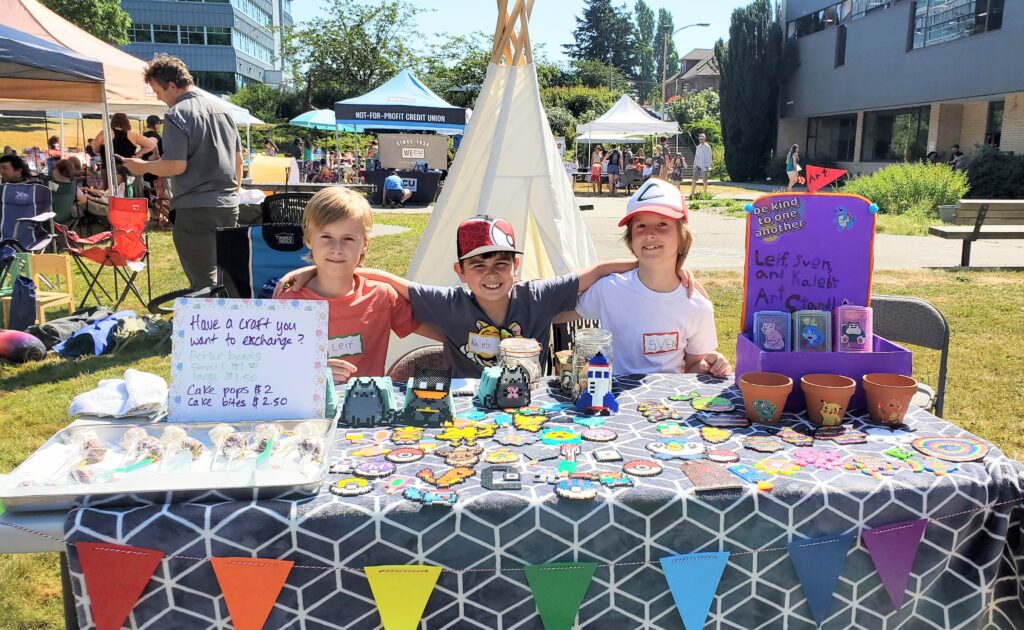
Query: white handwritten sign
point(248, 360)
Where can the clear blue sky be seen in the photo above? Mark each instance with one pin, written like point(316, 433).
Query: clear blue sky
point(553, 21)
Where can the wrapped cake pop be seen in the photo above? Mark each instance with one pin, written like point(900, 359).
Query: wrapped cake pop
point(192, 446)
point(309, 449)
point(233, 445)
point(219, 432)
point(172, 436)
point(131, 436)
point(265, 434)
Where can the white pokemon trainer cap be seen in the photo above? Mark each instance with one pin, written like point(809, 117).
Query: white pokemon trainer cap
point(658, 196)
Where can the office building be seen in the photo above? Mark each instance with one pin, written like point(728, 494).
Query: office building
point(225, 43)
point(882, 81)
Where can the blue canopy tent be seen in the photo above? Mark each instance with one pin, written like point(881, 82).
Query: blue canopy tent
point(34, 69)
point(403, 103)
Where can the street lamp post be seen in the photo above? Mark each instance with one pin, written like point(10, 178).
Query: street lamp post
point(664, 59)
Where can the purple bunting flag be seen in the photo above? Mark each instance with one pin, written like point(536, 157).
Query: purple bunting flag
point(893, 549)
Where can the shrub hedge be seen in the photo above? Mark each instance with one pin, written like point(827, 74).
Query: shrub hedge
point(914, 188)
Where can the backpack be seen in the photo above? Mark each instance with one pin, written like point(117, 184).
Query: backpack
point(614, 157)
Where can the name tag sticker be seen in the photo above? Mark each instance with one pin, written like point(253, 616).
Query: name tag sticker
point(485, 346)
point(345, 346)
point(659, 343)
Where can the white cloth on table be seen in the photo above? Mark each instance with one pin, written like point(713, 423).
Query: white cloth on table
point(137, 394)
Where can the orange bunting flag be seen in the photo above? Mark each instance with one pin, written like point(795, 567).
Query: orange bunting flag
point(250, 586)
point(818, 177)
point(401, 593)
point(115, 576)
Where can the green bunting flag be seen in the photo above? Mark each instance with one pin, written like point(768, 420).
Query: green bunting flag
point(558, 589)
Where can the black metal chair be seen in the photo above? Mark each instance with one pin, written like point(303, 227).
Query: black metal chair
point(561, 338)
point(285, 207)
point(915, 321)
point(431, 356)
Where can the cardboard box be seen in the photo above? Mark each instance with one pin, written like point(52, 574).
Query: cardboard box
point(885, 357)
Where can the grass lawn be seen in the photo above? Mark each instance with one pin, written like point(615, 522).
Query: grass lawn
point(985, 310)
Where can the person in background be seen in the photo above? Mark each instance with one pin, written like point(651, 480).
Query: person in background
point(270, 148)
point(372, 163)
point(203, 158)
point(792, 166)
point(597, 155)
point(648, 168)
point(325, 175)
point(678, 164)
point(658, 162)
point(13, 169)
point(152, 131)
point(956, 157)
point(701, 163)
point(10, 151)
point(932, 157)
point(395, 192)
point(53, 153)
point(124, 140)
point(614, 159)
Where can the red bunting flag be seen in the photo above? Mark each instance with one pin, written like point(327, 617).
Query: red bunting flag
point(115, 576)
point(250, 586)
point(818, 177)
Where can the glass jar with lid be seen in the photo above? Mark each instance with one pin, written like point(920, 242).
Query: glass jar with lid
point(587, 342)
point(524, 352)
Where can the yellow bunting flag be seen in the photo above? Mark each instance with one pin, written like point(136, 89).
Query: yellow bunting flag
point(401, 592)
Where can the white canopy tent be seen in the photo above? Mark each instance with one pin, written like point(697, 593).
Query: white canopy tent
point(627, 118)
point(507, 166)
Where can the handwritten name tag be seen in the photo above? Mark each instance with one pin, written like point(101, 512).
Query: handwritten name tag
point(345, 346)
point(658, 343)
point(484, 345)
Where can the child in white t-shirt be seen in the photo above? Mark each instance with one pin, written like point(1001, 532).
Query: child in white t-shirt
point(655, 326)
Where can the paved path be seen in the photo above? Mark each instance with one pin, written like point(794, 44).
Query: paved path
point(719, 243)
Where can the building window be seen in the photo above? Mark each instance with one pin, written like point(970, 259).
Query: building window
point(994, 126)
point(831, 138)
point(217, 82)
point(896, 135)
point(254, 11)
point(218, 36)
point(165, 33)
point(840, 46)
point(816, 20)
point(939, 21)
point(193, 35)
point(140, 34)
point(253, 48)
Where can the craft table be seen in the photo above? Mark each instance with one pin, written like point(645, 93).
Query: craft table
point(966, 574)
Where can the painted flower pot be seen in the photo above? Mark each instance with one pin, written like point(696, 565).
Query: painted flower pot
point(826, 397)
point(888, 396)
point(764, 395)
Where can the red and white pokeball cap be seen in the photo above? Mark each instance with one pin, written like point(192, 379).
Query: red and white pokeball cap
point(484, 234)
point(658, 196)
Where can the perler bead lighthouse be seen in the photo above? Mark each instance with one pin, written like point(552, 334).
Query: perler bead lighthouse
point(598, 398)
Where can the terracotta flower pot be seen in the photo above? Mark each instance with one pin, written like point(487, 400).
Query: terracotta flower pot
point(764, 395)
point(888, 396)
point(826, 397)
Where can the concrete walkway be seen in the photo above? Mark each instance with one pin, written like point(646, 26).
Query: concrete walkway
point(719, 243)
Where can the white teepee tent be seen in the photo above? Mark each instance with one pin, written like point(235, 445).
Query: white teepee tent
point(508, 166)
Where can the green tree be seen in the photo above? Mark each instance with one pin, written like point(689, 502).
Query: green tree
point(646, 78)
point(696, 106)
point(104, 19)
point(352, 50)
point(605, 32)
point(592, 73)
point(584, 103)
point(456, 69)
point(751, 75)
point(269, 104)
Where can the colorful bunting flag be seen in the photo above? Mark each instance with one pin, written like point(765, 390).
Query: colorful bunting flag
point(250, 587)
point(558, 589)
point(893, 549)
point(818, 177)
point(115, 576)
point(693, 579)
point(818, 563)
point(401, 593)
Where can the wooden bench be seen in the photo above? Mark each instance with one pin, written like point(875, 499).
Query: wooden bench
point(978, 219)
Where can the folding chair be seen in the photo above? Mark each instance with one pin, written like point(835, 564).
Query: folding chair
point(65, 206)
point(54, 284)
point(285, 207)
point(26, 216)
point(125, 249)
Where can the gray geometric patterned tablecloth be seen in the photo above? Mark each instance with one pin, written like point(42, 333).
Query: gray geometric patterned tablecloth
point(968, 571)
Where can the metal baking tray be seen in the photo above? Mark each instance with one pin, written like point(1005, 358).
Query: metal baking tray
point(32, 486)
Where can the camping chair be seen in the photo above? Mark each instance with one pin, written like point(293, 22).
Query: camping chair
point(65, 207)
point(125, 249)
point(251, 260)
point(914, 321)
point(47, 270)
point(26, 216)
point(431, 357)
point(285, 207)
point(628, 179)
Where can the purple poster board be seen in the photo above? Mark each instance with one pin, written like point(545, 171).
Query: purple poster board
point(807, 251)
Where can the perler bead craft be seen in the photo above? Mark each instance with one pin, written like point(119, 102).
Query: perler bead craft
point(777, 466)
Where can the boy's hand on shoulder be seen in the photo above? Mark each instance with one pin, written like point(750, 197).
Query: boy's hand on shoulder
point(341, 369)
point(690, 283)
point(715, 364)
point(294, 280)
